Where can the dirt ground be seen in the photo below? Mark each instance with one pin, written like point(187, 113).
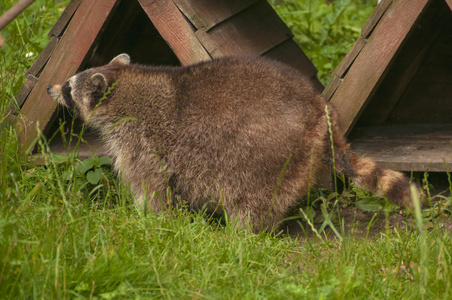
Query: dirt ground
point(367, 224)
point(358, 223)
point(361, 224)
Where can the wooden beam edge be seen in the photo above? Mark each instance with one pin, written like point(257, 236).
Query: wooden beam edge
point(65, 18)
point(42, 59)
point(175, 30)
point(449, 2)
point(375, 17)
point(331, 88)
point(196, 20)
point(343, 67)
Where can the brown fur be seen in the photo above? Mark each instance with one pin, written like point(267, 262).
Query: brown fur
point(223, 130)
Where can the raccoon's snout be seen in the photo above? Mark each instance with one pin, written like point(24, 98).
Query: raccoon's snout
point(61, 93)
point(49, 88)
point(54, 91)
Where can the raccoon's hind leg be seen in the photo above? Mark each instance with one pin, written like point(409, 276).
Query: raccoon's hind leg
point(254, 215)
point(151, 191)
point(263, 210)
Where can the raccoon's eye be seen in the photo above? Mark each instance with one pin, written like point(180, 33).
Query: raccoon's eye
point(66, 89)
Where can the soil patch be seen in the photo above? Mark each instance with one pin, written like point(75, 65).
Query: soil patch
point(367, 224)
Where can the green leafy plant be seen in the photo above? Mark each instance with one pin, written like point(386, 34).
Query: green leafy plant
point(89, 169)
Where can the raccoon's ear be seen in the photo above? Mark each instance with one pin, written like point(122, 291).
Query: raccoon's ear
point(123, 59)
point(100, 82)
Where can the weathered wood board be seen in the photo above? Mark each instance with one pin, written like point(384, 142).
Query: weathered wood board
point(262, 30)
point(64, 62)
point(449, 2)
point(172, 26)
point(252, 27)
point(205, 14)
point(406, 147)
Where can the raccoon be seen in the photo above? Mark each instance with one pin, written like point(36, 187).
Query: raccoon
point(247, 136)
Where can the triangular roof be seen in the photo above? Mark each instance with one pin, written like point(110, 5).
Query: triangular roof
point(90, 33)
point(393, 90)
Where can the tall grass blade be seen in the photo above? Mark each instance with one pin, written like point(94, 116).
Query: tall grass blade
point(423, 248)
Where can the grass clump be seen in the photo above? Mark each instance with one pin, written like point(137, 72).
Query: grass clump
point(25, 37)
point(69, 229)
point(120, 252)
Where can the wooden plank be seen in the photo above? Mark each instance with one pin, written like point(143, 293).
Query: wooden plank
point(374, 18)
point(176, 30)
point(348, 60)
point(252, 32)
point(426, 132)
point(290, 53)
point(64, 19)
point(40, 62)
point(371, 64)
point(406, 147)
point(26, 88)
point(407, 156)
point(207, 13)
point(449, 3)
point(39, 109)
point(23, 93)
point(331, 88)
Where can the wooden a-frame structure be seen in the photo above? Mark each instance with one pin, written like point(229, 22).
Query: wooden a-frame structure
point(393, 90)
point(170, 32)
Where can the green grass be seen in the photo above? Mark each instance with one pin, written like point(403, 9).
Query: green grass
point(70, 230)
point(325, 31)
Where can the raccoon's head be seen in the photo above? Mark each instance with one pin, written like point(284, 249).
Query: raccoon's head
point(84, 90)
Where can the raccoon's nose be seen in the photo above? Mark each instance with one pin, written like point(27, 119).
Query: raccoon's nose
point(48, 88)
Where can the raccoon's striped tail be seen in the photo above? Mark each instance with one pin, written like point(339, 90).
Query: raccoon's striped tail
point(368, 175)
